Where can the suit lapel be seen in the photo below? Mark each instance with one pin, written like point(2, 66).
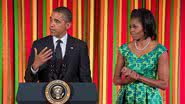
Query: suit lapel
point(50, 43)
point(69, 48)
point(47, 43)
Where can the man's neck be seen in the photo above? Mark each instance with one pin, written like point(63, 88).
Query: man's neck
point(61, 36)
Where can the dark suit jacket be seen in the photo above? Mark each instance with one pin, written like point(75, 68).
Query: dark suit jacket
point(75, 66)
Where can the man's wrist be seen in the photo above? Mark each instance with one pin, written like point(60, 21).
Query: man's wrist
point(33, 70)
point(34, 67)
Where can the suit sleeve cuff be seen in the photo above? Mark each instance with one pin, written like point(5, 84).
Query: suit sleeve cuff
point(33, 71)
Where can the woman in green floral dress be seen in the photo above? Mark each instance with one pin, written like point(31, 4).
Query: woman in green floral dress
point(142, 65)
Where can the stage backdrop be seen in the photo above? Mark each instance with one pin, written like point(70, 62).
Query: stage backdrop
point(104, 25)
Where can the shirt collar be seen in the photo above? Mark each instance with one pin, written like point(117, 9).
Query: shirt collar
point(63, 39)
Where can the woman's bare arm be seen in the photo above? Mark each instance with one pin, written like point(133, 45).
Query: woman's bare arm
point(163, 74)
point(117, 75)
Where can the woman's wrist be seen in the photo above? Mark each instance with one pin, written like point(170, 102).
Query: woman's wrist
point(139, 77)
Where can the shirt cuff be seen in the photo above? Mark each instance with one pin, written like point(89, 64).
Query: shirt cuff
point(33, 71)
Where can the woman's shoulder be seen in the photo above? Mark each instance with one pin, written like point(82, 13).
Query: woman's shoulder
point(161, 47)
point(156, 44)
point(123, 46)
point(126, 45)
point(123, 49)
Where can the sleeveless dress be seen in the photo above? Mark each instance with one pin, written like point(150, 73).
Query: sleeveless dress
point(145, 65)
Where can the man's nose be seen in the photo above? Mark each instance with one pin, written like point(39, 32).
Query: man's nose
point(52, 24)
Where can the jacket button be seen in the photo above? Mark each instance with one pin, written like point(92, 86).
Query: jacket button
point(63, 65)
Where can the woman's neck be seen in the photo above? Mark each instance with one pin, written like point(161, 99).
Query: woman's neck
point(142, 42)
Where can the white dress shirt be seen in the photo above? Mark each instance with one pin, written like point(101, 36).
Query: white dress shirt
point(62, 45)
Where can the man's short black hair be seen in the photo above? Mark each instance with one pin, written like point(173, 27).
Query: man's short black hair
point(66, 12)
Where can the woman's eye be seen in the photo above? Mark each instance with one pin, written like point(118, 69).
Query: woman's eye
point(134, 26)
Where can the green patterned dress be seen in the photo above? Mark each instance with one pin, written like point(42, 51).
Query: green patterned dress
point(146, 65)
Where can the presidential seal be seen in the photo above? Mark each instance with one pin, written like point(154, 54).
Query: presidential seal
point(57, 92)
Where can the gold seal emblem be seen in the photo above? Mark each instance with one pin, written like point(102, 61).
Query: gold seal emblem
point(57, 92)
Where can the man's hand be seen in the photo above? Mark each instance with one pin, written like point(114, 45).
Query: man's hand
point(41, 58)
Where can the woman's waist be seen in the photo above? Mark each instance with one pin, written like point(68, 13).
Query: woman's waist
point(137, 85)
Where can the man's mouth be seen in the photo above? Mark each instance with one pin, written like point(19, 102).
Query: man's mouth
point(52, 30)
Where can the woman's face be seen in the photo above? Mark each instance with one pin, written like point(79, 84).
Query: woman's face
point(136, 29)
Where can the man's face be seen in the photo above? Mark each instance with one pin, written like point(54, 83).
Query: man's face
point(58, 26)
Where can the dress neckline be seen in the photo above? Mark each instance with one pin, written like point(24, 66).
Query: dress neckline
point(145, 53)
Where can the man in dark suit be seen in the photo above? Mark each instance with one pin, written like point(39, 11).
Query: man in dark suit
point(59, 56)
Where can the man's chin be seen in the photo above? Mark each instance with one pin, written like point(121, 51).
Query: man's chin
point(56, 35)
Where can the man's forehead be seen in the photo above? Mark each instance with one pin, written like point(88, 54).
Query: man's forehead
point(57, 15)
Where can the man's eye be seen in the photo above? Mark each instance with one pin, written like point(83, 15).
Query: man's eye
point(57, 21)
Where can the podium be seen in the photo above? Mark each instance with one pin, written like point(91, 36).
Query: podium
point(34, 93)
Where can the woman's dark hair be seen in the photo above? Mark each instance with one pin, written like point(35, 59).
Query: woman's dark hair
point(148, 22)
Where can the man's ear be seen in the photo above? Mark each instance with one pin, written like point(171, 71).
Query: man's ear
point(68, 25)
